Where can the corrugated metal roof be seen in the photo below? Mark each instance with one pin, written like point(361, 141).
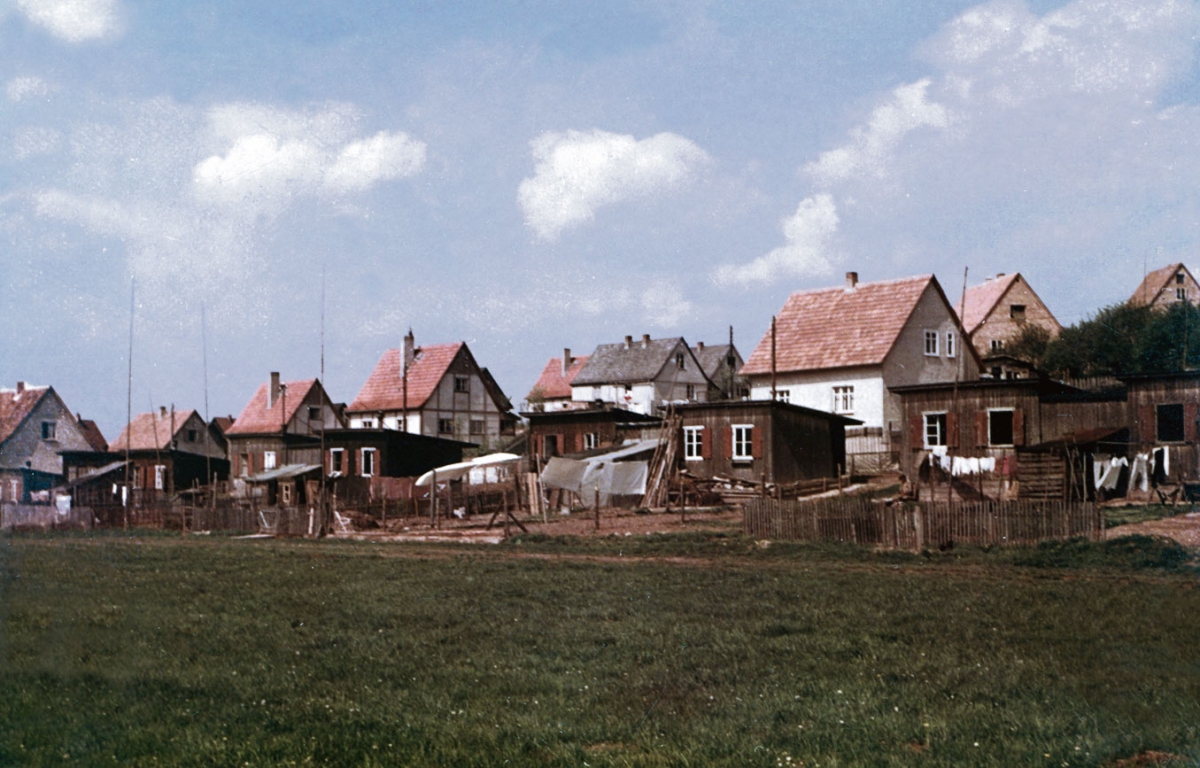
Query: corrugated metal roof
point(840, 327)
point(286, 472)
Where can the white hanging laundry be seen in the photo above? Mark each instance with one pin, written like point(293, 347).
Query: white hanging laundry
point(987, 464)
point(973, 466)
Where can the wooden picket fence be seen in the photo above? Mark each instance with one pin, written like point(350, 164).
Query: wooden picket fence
point(914, 527)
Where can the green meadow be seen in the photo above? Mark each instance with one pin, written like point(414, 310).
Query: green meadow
point(692, 650)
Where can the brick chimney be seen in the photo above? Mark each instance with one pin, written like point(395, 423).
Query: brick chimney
point(645, 340)
point(851, 281)
point(162, 411)
point(566, 361)
point(628, 342)
point(21, 384)
point(699, 346)
point(273, 390)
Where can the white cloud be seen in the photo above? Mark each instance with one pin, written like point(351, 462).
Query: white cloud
point(35, 141)
point(73, 20)
point(383, 156)
point(578, 172)
point(808, 232)
point(21, 88)
point(274, 155)
point(870, 147)
point(665, 305)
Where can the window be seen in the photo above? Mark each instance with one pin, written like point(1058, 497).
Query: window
point(1169, 421)
point(445, 426)
point(244, 465)
point(337, 459)
point(743, 442)
point(1000, 427)
point(314, 413)
point(997, 345)
point(1179, 278)
point(679, 361)
point(843, 399)
point(590, 440)
point(160, 474)
point(783, 395)
point(691, 391)
point(1181, 294)
point(950, 344)
point(368, 462)
point(997, 371)
point(931, 343)
point(935, 429)
point(285, 494)
point(368, 424)
point(1017, 312)
point(462, 384)
point(191, 435)
point(693, 443)
point(269, 460)
point(48, 430)
point(476, 426)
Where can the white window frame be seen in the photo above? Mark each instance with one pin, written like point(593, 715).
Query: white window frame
point(743, 442)
point(368, 458)
point(942, 428)
point(931, 343)
point(992, 443)
point(591, 441)
point(693, 443)
point(337, 460)
point(1181, 294)
point(783, 396)
point(268, 460)
point(160, 477)
point(49, 430)
point(951, 350)
point(690, 391)
point(843, 399)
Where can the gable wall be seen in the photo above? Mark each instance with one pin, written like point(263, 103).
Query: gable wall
point(999, 324)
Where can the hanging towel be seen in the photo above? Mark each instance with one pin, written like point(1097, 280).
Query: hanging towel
point(988, 464)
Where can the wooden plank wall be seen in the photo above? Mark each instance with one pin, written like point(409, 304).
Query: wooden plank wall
point(913, 527)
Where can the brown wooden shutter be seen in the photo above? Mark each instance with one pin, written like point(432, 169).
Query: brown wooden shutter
point(727, 435)
point(916, 432)
point(756, 442)
point(705, 443)
point(1018, 427)
point(1191, 412)
point(952, 430)
point(1145, 427)
point(981, 428)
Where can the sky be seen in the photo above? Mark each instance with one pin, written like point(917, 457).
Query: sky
point(278, 186)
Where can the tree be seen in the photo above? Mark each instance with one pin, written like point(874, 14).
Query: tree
point(1029, 345)
point(1123, 339)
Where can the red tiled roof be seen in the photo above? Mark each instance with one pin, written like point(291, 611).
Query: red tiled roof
point(839, 328)
point(981, 299)
point(15, 406)
point(1154, 282)
point(384, 389)
point(257, 419)
point(91, 433)
point(150, 431)
point(552, 383)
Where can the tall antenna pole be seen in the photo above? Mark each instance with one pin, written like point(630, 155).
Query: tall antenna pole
point(128, 410)
point(208, 476)
point(773, 392)
point(321, 495)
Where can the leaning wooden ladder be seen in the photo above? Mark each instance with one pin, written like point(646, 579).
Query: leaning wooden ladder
point(662, 465)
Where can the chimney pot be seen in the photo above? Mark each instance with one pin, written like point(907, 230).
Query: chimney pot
point(851, 280)
point(273, 392)
point(628, 342)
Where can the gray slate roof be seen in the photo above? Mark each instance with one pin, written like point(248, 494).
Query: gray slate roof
point(713, 356)
point(614, 364)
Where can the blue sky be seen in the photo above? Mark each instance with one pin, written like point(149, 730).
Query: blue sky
point(530, 176)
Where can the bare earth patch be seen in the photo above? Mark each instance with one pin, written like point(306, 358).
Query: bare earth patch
point(1182, 528)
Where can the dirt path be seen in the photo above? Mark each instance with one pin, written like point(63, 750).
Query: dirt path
point(1182, 528)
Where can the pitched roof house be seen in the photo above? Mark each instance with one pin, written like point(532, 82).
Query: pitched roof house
point(994, 312)
point(436, 390)
point(642, 376)
point(721, 363)
point(281, 425)
point(839, 349)
point(35, 425)
point(552, 392)
point(1164, 287)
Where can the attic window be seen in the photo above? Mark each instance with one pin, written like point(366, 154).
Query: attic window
point(1181, 294)
point(1179, 278)
point(48, 428)
point(950, 344)
point(191, 435)
point(462, 384)
point(679, 361)
point(931, 343)
point(1017, 312)
point(997, 345)
point(314, 413)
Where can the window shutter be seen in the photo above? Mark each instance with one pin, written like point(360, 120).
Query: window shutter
point(952, 430)
point(1145, 426)
point(727, 434)
point(705, 443)
point(1191, 412)
point(578, 440)
point(756, 442)
point(981, 428)
point(916, 432)
point(1018, 427)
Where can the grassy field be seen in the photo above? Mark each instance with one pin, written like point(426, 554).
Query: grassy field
point(647, 651)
